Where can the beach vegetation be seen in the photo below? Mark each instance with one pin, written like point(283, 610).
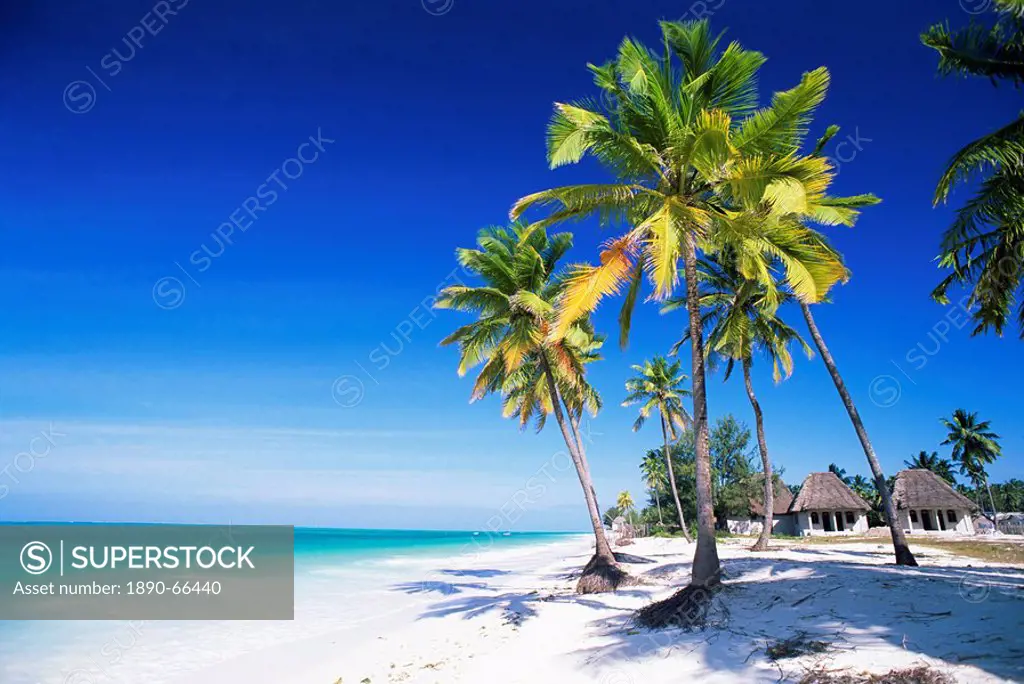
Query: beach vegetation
point(942, 467)
point(740, 319)
point(658, 386)
point(975, 446)
point(537, 373)
point(983, 249)
point(696, 166)
point(853, 205)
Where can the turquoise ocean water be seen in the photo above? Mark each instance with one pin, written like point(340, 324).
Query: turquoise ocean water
point(346, 579)
point(318, 544)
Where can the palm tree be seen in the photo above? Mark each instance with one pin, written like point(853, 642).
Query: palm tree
point(899, 540)
point(740, 316)
point(696, 166)
point(624, 502)
point(862, 487)
point(974, 447)
point(1010, 495)
point(840, 473)
point(538, 373)
point(852, 205)
point(653, 470)
point(659, 385)
point(940, 466)
point(983, 246)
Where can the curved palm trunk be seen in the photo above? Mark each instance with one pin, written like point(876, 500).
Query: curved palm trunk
point(995, 514)
point(657, 502)
point(602, 573)
point(769, 483)
point(574, 424)
point(672, 479)
point(899, 541)
point(706, 568)
point(980, 500)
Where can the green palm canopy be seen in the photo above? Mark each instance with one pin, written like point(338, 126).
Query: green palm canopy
point(536, 372)
point(659, 385)
point(984, 247)
point(696, 165)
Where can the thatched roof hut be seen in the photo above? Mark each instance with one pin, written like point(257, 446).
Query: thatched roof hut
point(920, 488)
point(826, 492)
point(783, 498)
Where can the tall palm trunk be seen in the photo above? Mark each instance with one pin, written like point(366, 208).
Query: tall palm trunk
point(602, 572)
point(672, 477)
point(766, 464)
point(657, 502)
point(899, 541)
point(995, 514)
point(706, 568)
point(575, 425)
point(980, 499)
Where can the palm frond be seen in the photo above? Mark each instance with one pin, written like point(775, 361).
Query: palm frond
point(782, 126)
point(587, 285)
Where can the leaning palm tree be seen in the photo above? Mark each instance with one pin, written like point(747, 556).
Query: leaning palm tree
point(940, 466)
point(696, 165)
point(659, 386)
point(899, 540)
point(741, 319)
point(527, 396)
point(982, 248)
point(974, 447)
point(511, 339)
point(653, 469)
point(851, 207)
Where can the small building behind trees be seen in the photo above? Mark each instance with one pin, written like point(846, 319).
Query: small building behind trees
point(826, 505)
point(925, 503)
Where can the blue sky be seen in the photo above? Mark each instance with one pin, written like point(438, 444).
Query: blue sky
point(295, 376)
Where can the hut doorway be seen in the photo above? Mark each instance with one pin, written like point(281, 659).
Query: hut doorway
point(840, 527)
point(826, 521)
point(927, 521)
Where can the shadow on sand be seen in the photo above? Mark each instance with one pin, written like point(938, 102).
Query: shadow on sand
point(949, 614)
point(521, 603)
point(475, 573)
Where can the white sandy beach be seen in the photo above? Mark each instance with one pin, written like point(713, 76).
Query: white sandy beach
point(510, 616)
